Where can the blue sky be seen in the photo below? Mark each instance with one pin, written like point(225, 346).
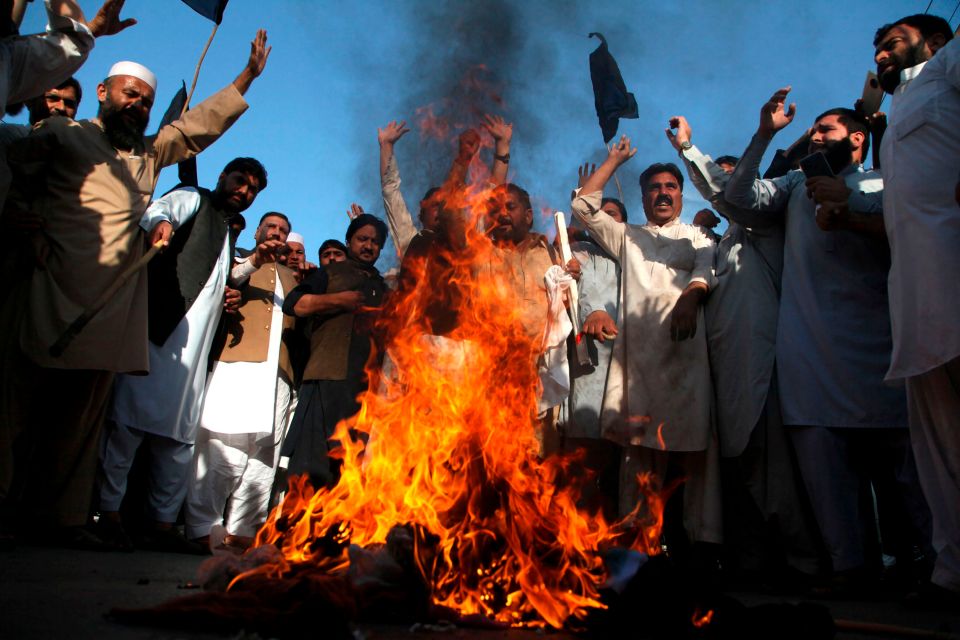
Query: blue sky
point(340, 70)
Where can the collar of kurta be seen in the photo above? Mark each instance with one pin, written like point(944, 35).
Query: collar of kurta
point(909, 74)
point(667, 225)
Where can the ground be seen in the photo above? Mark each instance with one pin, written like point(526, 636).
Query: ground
point(56, 593)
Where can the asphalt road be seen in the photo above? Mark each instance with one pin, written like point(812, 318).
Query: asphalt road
point(57, 593)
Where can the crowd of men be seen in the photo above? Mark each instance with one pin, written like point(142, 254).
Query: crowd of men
point(799, 373)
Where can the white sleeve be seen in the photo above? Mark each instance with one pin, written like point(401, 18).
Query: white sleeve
point(176, 208)
point(608, 233)
point(398, 215)
point(242, 271)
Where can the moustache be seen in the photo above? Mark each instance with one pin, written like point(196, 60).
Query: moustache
point(663, 199)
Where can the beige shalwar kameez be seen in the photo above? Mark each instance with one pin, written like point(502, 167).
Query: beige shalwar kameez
point(91, 197)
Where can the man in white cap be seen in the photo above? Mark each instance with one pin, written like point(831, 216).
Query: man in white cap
point(90, 182)
point(294, 255)
point(249, 399)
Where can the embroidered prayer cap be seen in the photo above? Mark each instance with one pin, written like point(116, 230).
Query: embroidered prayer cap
point(127, 68)
point(293, 236)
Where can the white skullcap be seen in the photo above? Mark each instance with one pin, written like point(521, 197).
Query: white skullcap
point(293, 236)
point(127, 68)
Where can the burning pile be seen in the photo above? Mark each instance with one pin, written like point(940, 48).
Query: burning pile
point(451, 455)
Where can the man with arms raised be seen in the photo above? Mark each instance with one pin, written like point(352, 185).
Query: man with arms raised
point(90, 182)
point(398, 216)
point(833, 342)
point(657, 402)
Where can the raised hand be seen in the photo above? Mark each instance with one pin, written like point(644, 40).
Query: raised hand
point(355, 211)
point(683, 133)
point(259, 52)
point(469, 145)
point(107, 22)
point(500, 129)
point(392, 132)
point(621, 151)
point(773, 115)
point(585, 172)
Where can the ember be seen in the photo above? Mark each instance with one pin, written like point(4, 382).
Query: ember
point(700, 620)
point(452, 455)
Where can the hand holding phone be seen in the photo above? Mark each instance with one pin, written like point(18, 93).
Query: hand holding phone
point(872, 95)
point(815, 165)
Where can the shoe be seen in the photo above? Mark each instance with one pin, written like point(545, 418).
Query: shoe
point(113, 533)
point(170, 541)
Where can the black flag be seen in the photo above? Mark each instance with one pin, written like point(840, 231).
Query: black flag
point(187, 170)
point(610, 95)
point(212, 9)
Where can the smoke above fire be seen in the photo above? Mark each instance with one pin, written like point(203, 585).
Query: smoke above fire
point(528, 62)
point(467, 60)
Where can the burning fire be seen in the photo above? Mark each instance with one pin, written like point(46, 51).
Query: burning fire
point(452, 455)
point(701, 620)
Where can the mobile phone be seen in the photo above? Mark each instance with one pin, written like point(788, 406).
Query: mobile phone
point(872, 95)
point(816, 165)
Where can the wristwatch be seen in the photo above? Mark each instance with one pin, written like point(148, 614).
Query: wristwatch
point(685, 145)
point(505, 158)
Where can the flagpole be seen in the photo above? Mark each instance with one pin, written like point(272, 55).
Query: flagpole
point(196, 74)
point(616, 180)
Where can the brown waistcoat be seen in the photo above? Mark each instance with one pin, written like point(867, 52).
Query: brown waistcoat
point(248, 333)
point(333, 335)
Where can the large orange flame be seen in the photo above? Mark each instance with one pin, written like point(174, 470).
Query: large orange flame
point(452, 453)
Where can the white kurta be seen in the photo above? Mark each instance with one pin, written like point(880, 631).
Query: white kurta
point(241, 396)
point(167, 402)
point(652, 380)
point(920, 157)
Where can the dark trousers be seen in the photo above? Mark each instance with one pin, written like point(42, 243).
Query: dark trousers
point(321, 405)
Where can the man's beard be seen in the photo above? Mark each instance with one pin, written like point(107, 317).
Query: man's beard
point(839, 154)
point(123, 129)
point(890, 79)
